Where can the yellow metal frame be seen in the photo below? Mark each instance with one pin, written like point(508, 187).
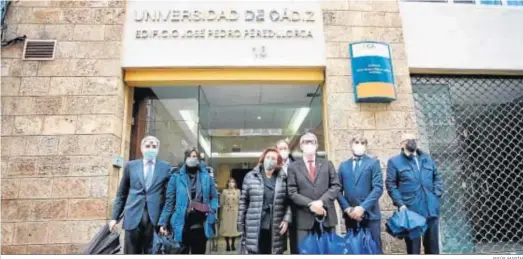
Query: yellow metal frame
point(222, 76)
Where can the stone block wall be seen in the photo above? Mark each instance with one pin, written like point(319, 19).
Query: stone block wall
point(61, 125)
point(347, 21)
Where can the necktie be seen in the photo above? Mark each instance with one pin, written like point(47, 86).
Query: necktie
point(148, 174)
point(312, 174)
point(356, 164)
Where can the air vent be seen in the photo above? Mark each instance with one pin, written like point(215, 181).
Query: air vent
point(236, 149)
point(39, 49)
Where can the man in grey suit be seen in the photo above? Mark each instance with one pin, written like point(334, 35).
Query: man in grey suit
point(313, 185)
point(140, 198)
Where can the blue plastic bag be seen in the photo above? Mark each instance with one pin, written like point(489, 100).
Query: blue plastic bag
point(359, 241)
point(323, 243)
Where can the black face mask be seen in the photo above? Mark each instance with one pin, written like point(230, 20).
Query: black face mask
point(411, 145)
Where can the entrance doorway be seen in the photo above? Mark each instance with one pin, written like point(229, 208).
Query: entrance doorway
point(230, 125)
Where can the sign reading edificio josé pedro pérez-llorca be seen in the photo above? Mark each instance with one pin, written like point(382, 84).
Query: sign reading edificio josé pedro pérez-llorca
point(220, 33)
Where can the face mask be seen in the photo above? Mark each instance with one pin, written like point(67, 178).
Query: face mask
point(150, 154)
point(191, 161)
point(358, 149)
point(284, 154)
point(411, 145)
point(309, 149)
point(269, 164)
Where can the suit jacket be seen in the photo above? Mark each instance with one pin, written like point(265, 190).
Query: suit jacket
point(363, 187)
point(303, 191)
point(131, 197)
point(418, 189)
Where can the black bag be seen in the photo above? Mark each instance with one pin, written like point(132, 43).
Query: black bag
point(166, 245)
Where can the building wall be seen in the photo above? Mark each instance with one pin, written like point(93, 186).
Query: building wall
point(382, 124)
point(61, 125)
point(62, 119)
point(463, 37)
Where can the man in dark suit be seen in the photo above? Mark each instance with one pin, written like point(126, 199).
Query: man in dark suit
point(313, 186)
point(362, 184)
point(414, 183)
point(140, 198)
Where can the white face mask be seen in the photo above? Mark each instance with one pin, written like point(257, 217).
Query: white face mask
point(359, 149)
point(284, 154)
point(308, 149)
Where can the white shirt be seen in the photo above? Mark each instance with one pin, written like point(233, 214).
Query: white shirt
point(145, 167)
point(285, 167)
point(307, 162)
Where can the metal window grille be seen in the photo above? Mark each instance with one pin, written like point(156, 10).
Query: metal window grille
point(473, 127)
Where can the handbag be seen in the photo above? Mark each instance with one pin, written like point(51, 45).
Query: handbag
point(200, 207)
point(166, 245)
point(196, 205)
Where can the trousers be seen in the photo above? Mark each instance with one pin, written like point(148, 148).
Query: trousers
point(140, 239)
point(430, 239)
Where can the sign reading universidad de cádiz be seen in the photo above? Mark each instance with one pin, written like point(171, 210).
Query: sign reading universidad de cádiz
point(217, 33)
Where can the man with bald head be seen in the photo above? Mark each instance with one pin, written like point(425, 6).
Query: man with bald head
point(414, 183)
point(140, 198)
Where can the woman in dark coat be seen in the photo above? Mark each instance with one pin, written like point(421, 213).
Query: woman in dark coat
point(264, 213)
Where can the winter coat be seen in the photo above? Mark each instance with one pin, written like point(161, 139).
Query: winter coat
point(418, 189)
point(178, 200)
point(229, 201)
point(250, 211)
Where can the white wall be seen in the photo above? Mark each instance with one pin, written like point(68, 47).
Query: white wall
point(463, 37)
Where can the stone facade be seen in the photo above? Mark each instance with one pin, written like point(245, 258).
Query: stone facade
point(381, 124)
point(62, 120)
point(61, 125)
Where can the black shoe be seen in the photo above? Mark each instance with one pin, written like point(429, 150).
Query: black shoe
point(233, 248)
point(228, 249)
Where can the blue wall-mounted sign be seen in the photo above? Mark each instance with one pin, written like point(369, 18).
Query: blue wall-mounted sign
point(372, 73)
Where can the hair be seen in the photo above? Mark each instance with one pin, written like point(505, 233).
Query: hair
point(231, 179)
point(360, 139)
point(188, 153)
point(291, 158)
point(279, 160)
point(307, 135)
point(153, 138)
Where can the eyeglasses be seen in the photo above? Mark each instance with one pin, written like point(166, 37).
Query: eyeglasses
point(305, 142)
point(151, 146)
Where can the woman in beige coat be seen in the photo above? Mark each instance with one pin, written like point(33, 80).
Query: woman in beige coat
point(229, 202)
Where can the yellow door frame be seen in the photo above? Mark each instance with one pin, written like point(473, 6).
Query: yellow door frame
point(149, 77)
point(222, 76)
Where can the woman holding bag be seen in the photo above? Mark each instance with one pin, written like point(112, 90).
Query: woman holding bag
point(192, 197)
point(264, 212)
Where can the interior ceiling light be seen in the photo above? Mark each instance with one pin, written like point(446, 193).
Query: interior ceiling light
point(259, 117)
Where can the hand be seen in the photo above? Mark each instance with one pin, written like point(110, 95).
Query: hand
point(112, 225)
point(402, 208)
point(283, 227)
point(349, 210)
point(316, 207)
point(163, 231)
point(357, 213)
